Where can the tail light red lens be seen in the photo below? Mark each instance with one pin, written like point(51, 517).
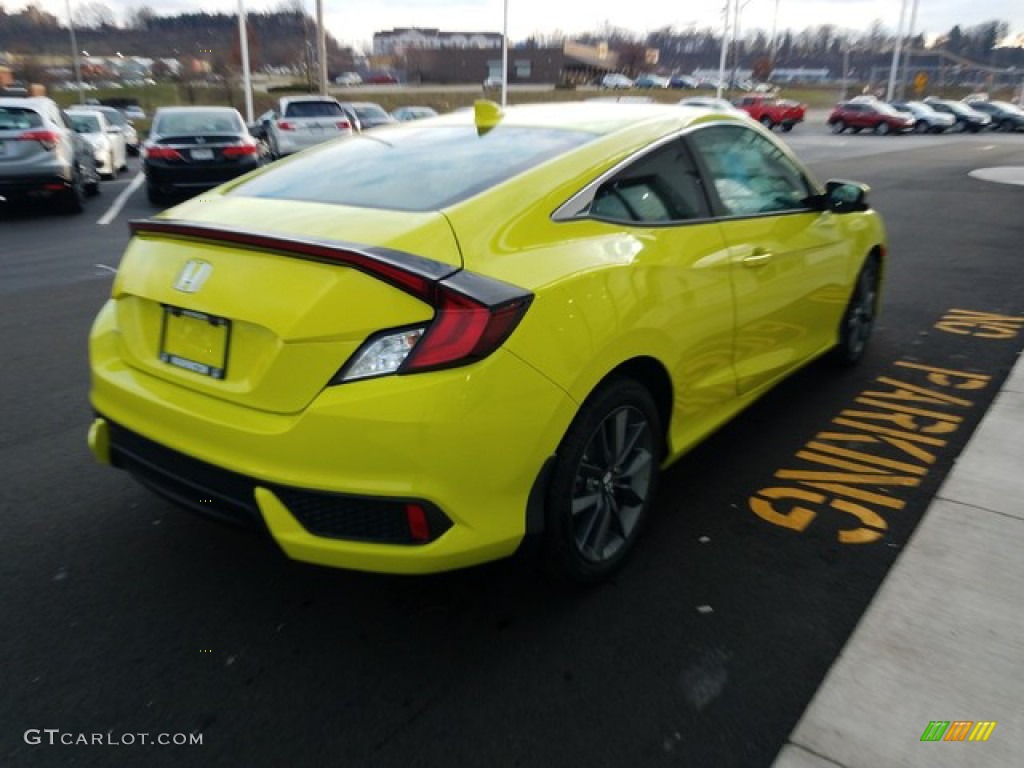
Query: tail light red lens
point(284, 125)
point(241, 150)
point(48, 139)
point(344, 125)
point(464, 330)
point(161, 153)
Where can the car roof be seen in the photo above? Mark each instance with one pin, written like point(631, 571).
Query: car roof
point(290, 99)
point(35, 102)
point(168, 110)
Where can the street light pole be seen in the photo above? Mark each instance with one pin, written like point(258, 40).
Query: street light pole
point(775, 28)
point(321, 46)
point(896, 53)
point(504, 58)
point(74, 56)
point(725, 47)
point(243, 35)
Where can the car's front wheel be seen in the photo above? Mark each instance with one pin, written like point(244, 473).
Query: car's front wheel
point(921, 126)
point(604, 481)
point(767, 122)
point(838, 126)
point(859, 319)
point(882, 128)
point(74, 196)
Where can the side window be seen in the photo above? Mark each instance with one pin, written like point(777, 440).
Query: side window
point(661, 187)
point(750, 174)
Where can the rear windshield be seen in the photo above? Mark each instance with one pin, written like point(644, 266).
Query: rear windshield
point(313, 109)
point(18, 119)
point(414, 170)
point(189, 123)
point(84, 123)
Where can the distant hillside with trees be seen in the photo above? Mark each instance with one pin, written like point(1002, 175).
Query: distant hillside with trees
point(285, 37)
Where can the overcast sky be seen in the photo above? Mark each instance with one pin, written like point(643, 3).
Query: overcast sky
point(355, 21)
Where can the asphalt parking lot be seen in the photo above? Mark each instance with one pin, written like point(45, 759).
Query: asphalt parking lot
point(125, 615)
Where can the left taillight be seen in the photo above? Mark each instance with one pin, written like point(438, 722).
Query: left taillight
point(49, 139)
point(156, 152)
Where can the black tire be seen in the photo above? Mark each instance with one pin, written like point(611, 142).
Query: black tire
point(604, 480)
point(74, 196)
point(859, 318)
point(92, 188)
point(155, 196)
point(767, 122)
point(883, 128)
point(1006, 126)
point(838, 126)
point(787, 127)
point(921, 127)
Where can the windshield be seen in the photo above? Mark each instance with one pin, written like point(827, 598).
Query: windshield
point(449, 164)
point(313, 109)
point(85, 123)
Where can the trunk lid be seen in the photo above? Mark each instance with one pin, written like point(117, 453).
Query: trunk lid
point(269, 299)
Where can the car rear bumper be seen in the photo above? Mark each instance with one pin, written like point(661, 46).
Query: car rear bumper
point(195, 177)
point(467, 445)
point(35, 185)
point(289, 143)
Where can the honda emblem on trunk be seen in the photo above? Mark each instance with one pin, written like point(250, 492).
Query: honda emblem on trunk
point(193, 275)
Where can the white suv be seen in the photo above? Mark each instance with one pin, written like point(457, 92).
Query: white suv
point(299, 122)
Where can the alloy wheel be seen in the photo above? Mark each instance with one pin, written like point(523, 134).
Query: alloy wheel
point(612, 484)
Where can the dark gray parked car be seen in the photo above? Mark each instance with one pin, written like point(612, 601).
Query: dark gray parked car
point(41, 156)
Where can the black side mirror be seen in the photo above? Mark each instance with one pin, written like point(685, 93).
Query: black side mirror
point(845, 196)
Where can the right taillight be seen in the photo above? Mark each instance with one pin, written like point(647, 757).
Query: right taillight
point(48, 139)
point(344, 125)
point(284, 125)
point(465, 329)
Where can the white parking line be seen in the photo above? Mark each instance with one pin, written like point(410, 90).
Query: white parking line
point(106, 268)
point(120, 200)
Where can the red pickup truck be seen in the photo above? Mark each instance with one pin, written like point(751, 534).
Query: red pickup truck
point(770, 111)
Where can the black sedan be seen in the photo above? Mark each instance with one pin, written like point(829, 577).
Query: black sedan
point(192, 149)
point(1005, 116)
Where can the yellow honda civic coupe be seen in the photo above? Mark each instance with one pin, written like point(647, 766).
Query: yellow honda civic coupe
point(411, 350)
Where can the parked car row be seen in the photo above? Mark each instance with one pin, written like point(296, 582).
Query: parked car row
point(932, 115)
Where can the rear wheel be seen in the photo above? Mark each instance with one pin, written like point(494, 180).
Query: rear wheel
point(838, 126)
point(74, 196)
point(787, 127)
point(604, 480)
point(767, 122)
point(920, 127)
point(882, 128)
point(1006, 126)
point(859, 319)
point(155, 196)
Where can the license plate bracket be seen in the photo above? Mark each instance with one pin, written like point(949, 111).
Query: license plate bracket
point(195, 341)
point(202, 154)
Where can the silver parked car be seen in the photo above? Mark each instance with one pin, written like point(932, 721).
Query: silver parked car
point(927, 120)
point(117, 119)
point(299, 122)
point(107, 142)
point(42, 157)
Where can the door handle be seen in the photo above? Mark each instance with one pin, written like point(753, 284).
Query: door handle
point(758, 258)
